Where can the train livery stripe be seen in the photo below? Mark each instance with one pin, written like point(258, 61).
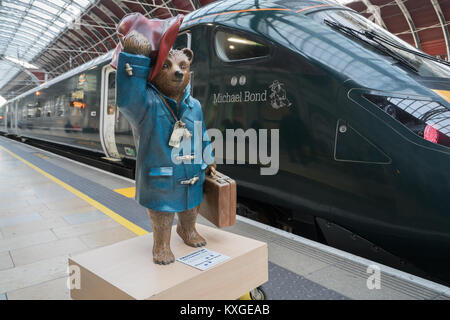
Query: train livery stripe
point(318, 6)
point(237, 11)
point(443, 93)
point(116, 217)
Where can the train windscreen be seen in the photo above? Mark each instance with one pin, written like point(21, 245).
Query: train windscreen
point(350, 19)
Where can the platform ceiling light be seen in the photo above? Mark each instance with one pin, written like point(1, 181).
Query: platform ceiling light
point(2, 101)
point(22, 63)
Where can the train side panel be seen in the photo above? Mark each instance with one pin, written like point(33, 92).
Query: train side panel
point(67, 112)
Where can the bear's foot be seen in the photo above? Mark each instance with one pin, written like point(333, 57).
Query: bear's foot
point(191, 237)
point(163, 256)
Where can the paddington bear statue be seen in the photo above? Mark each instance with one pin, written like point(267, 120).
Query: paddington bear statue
point(154, 94)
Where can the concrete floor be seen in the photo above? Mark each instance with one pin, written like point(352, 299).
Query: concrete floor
point(41, 225)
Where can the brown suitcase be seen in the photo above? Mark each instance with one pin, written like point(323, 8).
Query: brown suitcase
point(219, 200)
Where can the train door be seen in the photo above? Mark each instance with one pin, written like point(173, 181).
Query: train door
point(8, 117)
point(15, 112)
point(2, 118)
point(108, 114)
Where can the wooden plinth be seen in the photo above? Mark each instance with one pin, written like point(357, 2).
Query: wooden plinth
point(125, 270)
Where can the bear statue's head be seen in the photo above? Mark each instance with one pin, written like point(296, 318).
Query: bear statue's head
point(175, 73)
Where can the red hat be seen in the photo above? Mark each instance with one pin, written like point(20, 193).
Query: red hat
point(160, 33)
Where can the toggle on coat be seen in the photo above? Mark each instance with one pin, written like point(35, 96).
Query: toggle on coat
point(166, 180)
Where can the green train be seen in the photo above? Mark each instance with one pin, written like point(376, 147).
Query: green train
point(363, 121)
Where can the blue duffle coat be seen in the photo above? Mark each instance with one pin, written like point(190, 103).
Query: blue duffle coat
point(163, 182)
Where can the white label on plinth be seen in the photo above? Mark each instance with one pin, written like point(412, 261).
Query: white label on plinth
point(203, 259)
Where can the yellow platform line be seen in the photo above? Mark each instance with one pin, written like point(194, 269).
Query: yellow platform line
point(115, 216)
point(127, 192)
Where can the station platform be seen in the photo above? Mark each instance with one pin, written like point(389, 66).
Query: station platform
point(52, 208)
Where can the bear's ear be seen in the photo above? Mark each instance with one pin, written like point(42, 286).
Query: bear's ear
point(188, 52)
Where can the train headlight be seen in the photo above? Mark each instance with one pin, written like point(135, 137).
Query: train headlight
point(428, 119)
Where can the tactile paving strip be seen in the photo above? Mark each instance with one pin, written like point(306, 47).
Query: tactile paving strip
point(286, 285)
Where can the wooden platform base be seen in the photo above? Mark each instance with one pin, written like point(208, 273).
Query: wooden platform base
point(125, 270)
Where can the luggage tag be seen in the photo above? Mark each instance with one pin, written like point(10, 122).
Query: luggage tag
point(178, 132)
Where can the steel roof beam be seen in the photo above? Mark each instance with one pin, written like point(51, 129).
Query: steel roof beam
point(195, 4)
point(44, 30)
point(136, 6)
point(105, 10)
point(27, 19)
point(49, 61)
point(19, 40)
point(63, 42)
point(123, 6)
point(23, 69)
point(97, 27)
point(52, 15)
point(169, 5)
point(26, 31)
point(375, 10)
point(442, 21)
point(117, 10)
point(94, 38)
point(410, 22)
point(16, 35)
point(80, 33)
point(76, 46)
point(17, 25)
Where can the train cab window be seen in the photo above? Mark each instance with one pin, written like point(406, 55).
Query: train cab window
point(232, 47)
point(183, 41)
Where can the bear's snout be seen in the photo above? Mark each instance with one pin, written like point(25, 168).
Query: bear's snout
point(179, 74)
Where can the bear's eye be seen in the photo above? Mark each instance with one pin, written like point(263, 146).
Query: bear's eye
point(183, 66)
point(165, 66)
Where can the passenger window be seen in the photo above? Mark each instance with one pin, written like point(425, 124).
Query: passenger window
point(38, 109)
point(111, 94)
point(232, 47)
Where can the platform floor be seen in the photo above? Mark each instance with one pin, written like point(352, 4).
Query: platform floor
point(52, 208)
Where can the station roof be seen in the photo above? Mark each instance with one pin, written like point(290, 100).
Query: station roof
point(27, 27)
point(422, 23)
point(45, 38)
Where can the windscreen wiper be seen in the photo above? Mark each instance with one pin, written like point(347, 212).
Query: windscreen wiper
point(378, 38)
point(361, 35)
